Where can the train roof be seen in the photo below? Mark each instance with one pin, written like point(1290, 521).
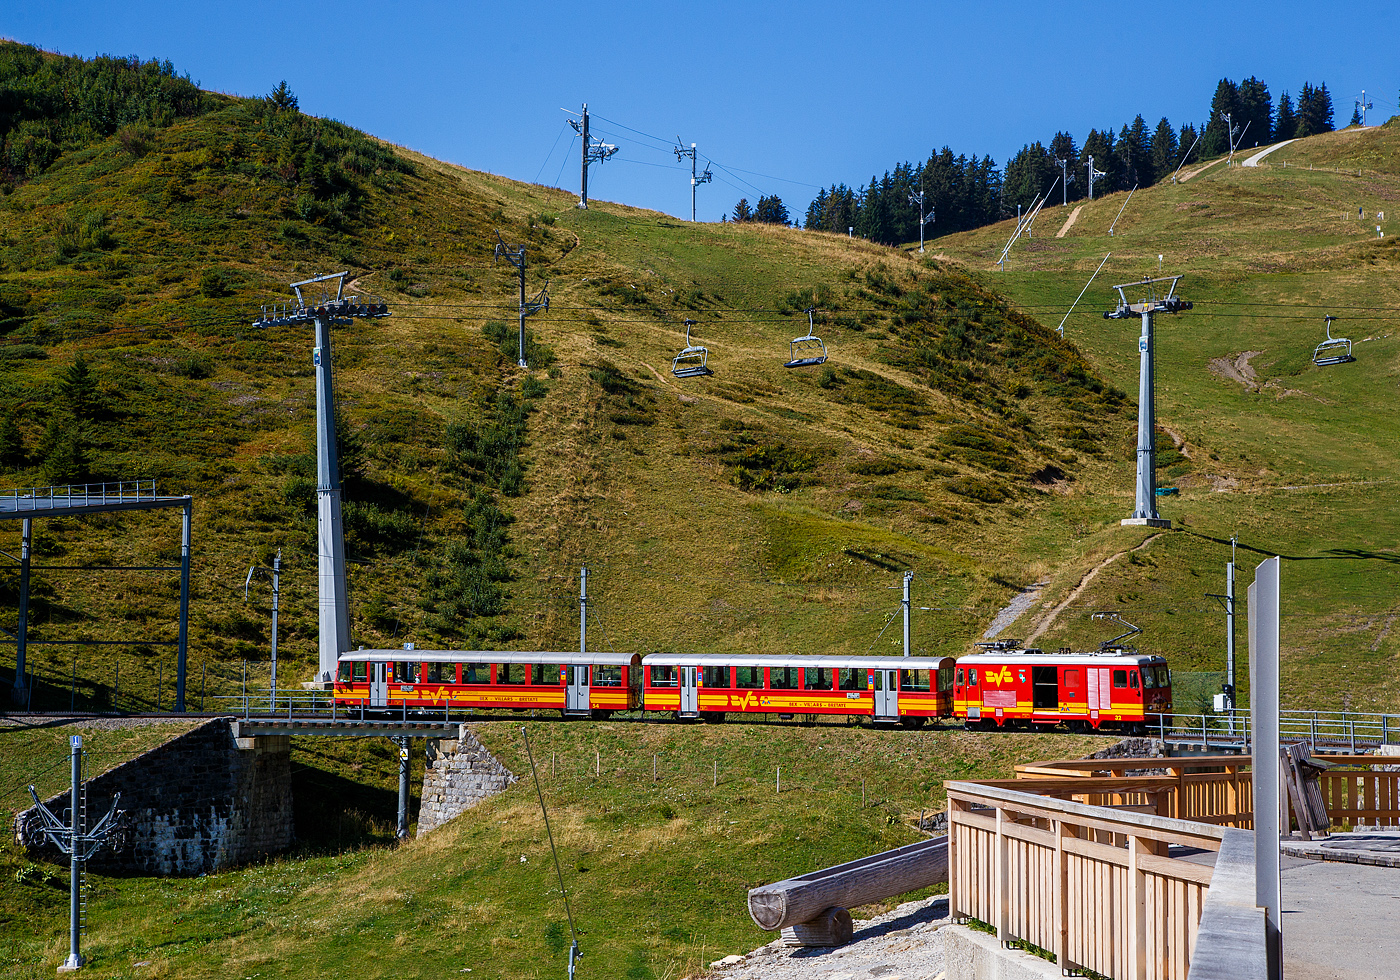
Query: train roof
point(490, 656)
point(1093, 659)
point(759, 660)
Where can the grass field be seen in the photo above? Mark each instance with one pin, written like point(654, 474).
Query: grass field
point(656, 871)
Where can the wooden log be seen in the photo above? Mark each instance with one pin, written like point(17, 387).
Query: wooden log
point(832, 928)
point(868, 879)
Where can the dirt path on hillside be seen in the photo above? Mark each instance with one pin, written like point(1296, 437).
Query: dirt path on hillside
point(1069, 222)
point(1012, 611)
point(1078, 590)
point(1237, 369)
point(1199, 170)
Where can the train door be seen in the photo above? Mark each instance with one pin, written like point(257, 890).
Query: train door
point(886, 694)
point(690, 695)
point(576, 688)
point(1100, 691)
point(1045, 687)
point(378, 685)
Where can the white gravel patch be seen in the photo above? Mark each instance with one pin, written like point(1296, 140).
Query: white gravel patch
point(902, 944)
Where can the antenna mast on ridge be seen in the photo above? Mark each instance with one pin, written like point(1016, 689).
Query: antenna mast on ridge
point(594, 151)
point(695, 179)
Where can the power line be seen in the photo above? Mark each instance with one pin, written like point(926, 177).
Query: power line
point(564, 128)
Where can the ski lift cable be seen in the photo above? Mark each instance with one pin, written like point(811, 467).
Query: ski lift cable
point(573, 950)
point(562, 129)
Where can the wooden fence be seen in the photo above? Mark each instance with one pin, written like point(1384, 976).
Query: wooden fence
point(1075, 857)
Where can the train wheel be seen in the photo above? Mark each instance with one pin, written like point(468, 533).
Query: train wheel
point(712, 717)
point(599, 714)
point(912, 723)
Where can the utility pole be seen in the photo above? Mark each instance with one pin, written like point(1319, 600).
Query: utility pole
point(19, 694)
point(332, 587)
point(583, 611)
point(1145, 509)
point(594, 151)
point(78, 843)
point(1225, 700)
point(908, 577)
point(1231, 131)
point(402, 830)
point(695, 181)
point(276, 592)
point(1362, 105)
point(515, 255)
point(1093, 175)
point(1067, 178)
point(917, 198)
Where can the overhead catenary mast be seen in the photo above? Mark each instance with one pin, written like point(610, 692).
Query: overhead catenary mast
point(594, 151)
point(695, 179)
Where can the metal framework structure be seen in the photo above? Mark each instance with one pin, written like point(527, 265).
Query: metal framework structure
point(916, 198)
point(1093, 176)
point(67, 501)
point(332, 586)
point(1333, 350)
point(515, 255)
point(1154, 300)
point(808, 350)
point(594, 151)
point(78, 843)
point(1361, 106)
point(695, 179)
point(692, 361)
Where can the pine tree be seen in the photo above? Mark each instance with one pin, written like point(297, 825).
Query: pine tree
point(742, 212)
point(1256, 112)
point(1216, 140)
point(77, 390)
point(1355, 116)
point(816, 211)
point(1285, 122)
point(1164, 150)
point(1062, 148)
point(1324, 109)
point(771, 210)
point(281, 98)
point(1187, 144)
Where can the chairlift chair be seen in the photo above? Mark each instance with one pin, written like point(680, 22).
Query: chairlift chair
point(1333, 350)
point(691, 362)
point(807, 351)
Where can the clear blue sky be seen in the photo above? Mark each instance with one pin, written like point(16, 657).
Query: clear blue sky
point(804, 93)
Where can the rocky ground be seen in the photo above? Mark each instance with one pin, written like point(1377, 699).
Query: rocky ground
point(902, 944)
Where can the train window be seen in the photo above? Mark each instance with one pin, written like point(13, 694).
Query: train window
point(442, 673)
point(544, 674)
point(405, 673)
point(850, 679)
point(960, 677)
point(478, 674)
point(972, 676)
point(607, 675)
point(1149, 678)
point(512, 673)
point(783, 678)
point(714, 677)
point(913, 680)
point(346, 671)
point(1072, 677)
point(359, 673)
point(816, 678)
point(1120, 678)
point(663, 677)
point(748, 677)
point(1133, 679)
point(1164, 677)
point(945, 678)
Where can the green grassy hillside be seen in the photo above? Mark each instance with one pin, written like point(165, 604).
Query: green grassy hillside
point(1298, 460)
point(760, 509)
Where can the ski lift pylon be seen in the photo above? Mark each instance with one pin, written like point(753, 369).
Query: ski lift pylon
point(1333, 350)
point(692, 361)
point(807, 351)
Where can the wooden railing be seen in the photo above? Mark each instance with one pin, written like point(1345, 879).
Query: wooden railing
point(1094, 886)
point(1209, 789)
point(1358, 791)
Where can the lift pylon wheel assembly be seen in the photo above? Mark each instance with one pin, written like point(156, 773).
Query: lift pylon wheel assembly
point(692, 361)
point(1153, 302)
point(806, 351)
point(1333, 350)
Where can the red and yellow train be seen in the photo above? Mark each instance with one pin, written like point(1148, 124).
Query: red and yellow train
point(1116, 688)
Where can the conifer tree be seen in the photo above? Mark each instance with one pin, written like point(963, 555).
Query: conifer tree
point(1164, 151)
point(771, 210)
point(742, 211)
point(1355, 116)
point(1226, 101)
point(1256, 112)
point(1285, 122)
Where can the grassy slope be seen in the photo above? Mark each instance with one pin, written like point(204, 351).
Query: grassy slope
point(638, 479)
point(656, 871)
point(1266, 252)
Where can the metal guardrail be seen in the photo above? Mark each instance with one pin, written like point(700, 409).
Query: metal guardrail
point(1351, 730)
point(52, 498)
